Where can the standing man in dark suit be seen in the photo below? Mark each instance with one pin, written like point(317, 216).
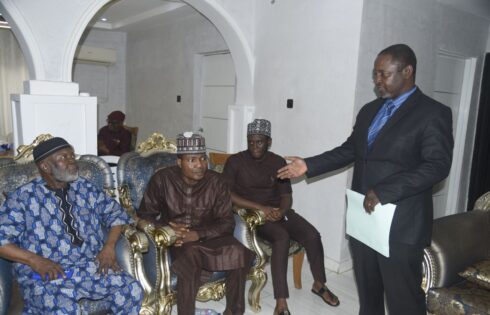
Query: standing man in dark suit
point(401, 146)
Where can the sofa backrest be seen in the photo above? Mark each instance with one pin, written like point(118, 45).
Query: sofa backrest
point(93, 168)
point(134, 171)
point(218, 160)
point(457, 241)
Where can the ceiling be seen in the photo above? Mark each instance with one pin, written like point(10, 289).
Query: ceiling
point(127, 15)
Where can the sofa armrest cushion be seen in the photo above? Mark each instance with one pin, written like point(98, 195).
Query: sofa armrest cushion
point(478, 273)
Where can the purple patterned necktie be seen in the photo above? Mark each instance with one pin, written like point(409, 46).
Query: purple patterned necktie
point(380, 120)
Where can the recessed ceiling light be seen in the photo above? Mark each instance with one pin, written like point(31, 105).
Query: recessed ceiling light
point(103, 19)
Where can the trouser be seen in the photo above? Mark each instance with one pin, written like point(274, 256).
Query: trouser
point(193, 268)
point(278, 234)
point(399, 277)
point(118, 291)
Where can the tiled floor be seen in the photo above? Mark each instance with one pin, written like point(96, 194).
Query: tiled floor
point(303, 302)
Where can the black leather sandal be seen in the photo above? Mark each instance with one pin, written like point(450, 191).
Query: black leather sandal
point(323, 290)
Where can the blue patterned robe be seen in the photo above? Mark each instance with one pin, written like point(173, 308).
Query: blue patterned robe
point(31, 219)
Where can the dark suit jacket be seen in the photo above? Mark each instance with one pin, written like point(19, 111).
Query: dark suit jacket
point(411, 153)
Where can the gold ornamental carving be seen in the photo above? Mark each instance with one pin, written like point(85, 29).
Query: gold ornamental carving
point(156, 142)
point(24, 151)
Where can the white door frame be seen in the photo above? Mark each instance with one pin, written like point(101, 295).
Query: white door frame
point(197, 82)
point(460, 136)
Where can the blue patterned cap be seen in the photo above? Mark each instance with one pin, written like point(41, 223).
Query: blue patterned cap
point(259, 127)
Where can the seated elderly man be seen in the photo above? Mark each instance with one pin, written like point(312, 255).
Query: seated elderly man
point(52, 227)
point(195, 202)
point(114, 139)
point(251, 175)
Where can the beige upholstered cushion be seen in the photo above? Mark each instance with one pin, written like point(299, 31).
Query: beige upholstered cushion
point(478, 273)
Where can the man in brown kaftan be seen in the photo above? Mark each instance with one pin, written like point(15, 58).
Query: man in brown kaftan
point(196, 203)
point(251, 175)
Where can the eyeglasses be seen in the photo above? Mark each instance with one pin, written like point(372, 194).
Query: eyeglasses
point(383, 74)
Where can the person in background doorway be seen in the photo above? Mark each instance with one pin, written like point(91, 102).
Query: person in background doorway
point(114, 139)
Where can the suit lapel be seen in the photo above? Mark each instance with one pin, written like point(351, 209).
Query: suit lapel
point(406, 107)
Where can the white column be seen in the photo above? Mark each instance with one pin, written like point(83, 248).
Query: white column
point(238, 118)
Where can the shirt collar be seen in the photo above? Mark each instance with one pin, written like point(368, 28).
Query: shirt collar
point(402, 98)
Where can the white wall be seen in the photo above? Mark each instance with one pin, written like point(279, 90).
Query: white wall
point(308, 50)
point(428, 27)
point(243, 13)
point(106, 81)
point(13, 71)
point(161, 66)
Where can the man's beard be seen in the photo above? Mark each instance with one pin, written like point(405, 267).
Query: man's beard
point(65, 176)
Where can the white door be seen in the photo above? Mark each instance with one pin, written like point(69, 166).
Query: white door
point(218, 81)
point(453, 85)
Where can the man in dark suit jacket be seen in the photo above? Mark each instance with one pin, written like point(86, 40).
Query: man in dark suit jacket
point(401, 146)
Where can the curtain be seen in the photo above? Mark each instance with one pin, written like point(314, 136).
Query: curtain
point(13, 72)
point(480, 166)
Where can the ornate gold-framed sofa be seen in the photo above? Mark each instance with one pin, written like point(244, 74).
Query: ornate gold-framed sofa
point(19, 170)
point(460, 243)
point(134, 172)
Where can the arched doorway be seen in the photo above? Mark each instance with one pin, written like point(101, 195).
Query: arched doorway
point(150, 96)
point(48, 62)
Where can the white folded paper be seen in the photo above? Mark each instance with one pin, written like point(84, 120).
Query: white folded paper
point(371, 229)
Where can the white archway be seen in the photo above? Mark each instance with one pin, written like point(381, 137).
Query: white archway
point(49, 40)
point(50, 58)
point(237, 43)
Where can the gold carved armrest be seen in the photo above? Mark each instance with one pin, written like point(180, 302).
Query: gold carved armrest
point(246, 232)
point(131, 259)
point(160, 238)
point(252, 218)
point(165, 236)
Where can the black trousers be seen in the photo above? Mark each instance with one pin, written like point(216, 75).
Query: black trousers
point(399, 277)
point(278, 234)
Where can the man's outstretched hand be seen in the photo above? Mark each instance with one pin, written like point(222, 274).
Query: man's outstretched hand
point(296, 168)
